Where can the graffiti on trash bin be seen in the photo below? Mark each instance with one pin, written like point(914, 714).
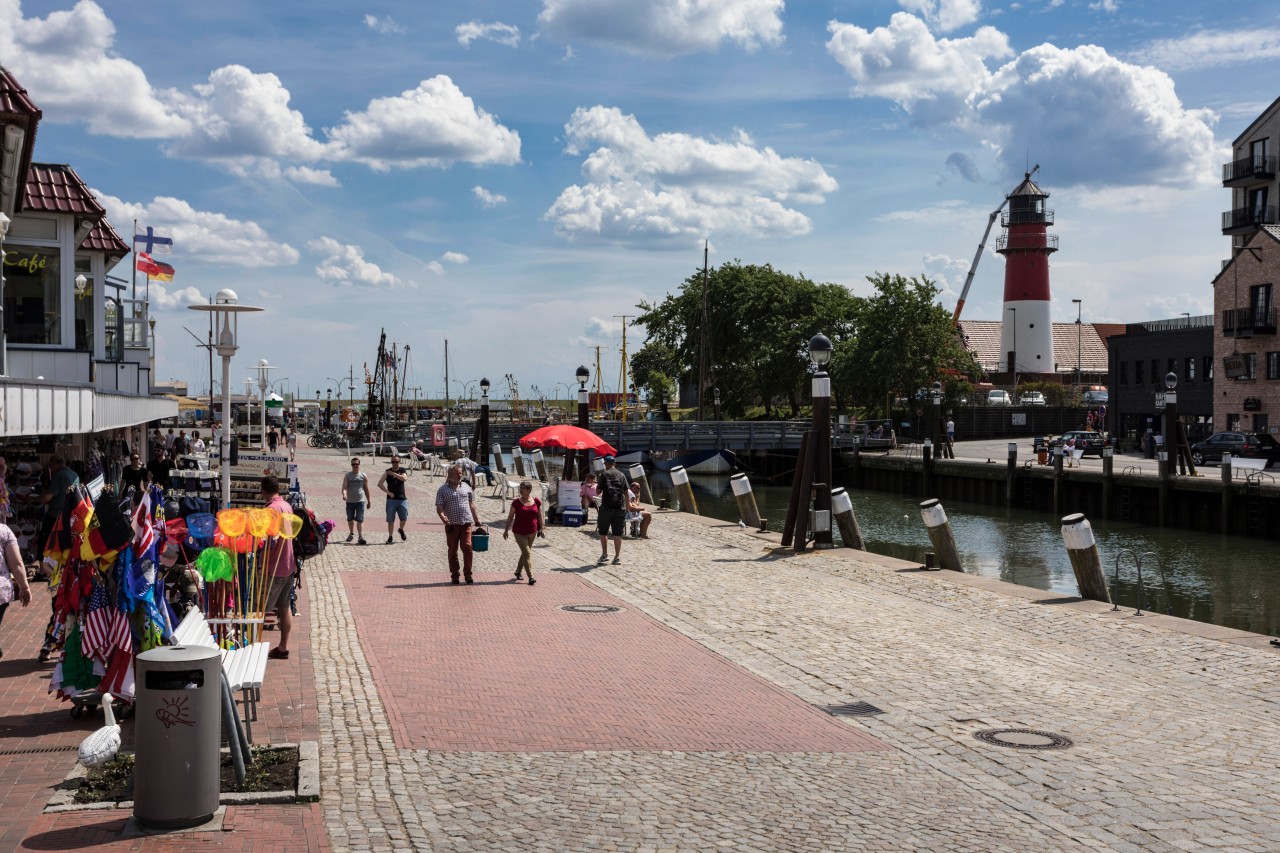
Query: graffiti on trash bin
point(174, 712)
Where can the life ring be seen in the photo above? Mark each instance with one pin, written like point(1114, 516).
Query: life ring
point(437, 435)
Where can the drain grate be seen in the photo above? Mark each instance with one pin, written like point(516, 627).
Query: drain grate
point(36, 750)
point(590, 608)
point(854, 709)
point(1024, 739)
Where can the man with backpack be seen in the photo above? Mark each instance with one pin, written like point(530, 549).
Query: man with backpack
point(612, 517)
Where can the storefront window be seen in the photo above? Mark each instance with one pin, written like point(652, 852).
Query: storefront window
point(32, 295)
point(84, 306)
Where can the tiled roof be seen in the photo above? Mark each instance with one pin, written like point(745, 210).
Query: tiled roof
point(18, 110)
point(983, 338)
point(14, 99)
point(103, 238)
point(58, 189)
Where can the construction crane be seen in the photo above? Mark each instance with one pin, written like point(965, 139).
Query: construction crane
point(973, 268)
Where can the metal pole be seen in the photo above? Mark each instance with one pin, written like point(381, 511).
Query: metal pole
point(822, 537)
point(224, 445)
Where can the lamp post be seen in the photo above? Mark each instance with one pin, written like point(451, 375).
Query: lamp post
point(4, 344)
point(936, 431)
point(226, 309)
point(1171, 442)
point(317, 424)
point(1079, 303)
point(264, 385)
point(584, 415)
point(820, 350)
point(328, 408)
point(482, 450)
point(716, 392)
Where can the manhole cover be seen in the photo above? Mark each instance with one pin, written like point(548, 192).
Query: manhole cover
point(590, 608)
point(854, 709)
point(1023, 739)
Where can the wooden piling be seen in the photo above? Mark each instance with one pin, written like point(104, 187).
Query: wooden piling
point(842, 509)
point(1011, 474)
point(684, 491)
point(497, 457)
point(1226, 493)
point(1108, 479)
point(1163, 470)
point(538, 464)
point(638, 476)
point(796, 528)
point(944, 543)
point(1077, 535)
point(1057, 478)
point(517, 460)
point(747, 509)
point(926, 467)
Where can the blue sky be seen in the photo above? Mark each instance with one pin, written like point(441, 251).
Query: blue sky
point(512, 176)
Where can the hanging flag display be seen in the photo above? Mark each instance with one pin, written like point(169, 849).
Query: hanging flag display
point(153, 243)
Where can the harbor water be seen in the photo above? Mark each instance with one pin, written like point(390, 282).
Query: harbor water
point(1222, 580)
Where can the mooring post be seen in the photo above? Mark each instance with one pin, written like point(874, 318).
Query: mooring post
point(497, 457)
point(1077, 535)
point(597, 465)
point(1163, 469)
point(855, 465)
point(944, 543)
point(1011, 474)
point(926, 466)
point(638, 476)
point(1226, 493)
point(1108, 478)
point(842, 509)
point(684, 491)
point(747, 509)
point(539, 465)
point(1057, 478)
point(517, 460)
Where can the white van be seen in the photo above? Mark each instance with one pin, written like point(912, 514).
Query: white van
point(999, 398)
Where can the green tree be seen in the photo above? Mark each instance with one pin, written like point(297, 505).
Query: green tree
point(655, 360)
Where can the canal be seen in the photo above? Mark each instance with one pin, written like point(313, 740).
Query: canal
point(1222, 580)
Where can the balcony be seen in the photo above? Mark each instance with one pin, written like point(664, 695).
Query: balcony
point(1026, 217)
point(1242, 220)
point(1015, 242)
point(1247, 322)
point(1248, 170)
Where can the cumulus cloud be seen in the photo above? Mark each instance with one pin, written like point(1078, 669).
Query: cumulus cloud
point(676, 186)
point(665, 27)
point(167, 296)
point(385, 25)
point(454, 258)
point(496, 31)
point(307, 175)
point(1210, 49)
point(432, 125)
point(945, 15)
point(346, 266)
point(65, 61)
point(203, 235)
point(486, 198)
point(1096, 119)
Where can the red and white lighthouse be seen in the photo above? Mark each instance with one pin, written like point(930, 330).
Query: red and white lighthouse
point(1026, 333)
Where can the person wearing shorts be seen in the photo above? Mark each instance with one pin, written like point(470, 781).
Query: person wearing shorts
point(355, 491)
point(281, 568)
point(392, 482)
point(611, 520)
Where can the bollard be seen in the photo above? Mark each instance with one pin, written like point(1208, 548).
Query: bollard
point(747, 510)
point(1058, 453)
point(638, 476)
point(842, 509)
point(539, 465)
point(935, 520)
point(1011, 474)
point(1077, 535)
point(926, 466)
point(1163, 472)
point(1226, 493)
point(684, 491)
point(597, 465)
point(517, 460)
point(497, 457)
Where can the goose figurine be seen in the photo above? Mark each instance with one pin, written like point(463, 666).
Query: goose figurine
point(101, 747)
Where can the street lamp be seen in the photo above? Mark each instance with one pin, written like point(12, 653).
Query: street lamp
point(226, 309)
point(584, 419)
point(483, 449)
point(1079, 303)
point(4, 345)
point(820, 350)
point(1171, 433)
point(716, 392)
point(937, 431)
point(328, 408)
point(264, 385)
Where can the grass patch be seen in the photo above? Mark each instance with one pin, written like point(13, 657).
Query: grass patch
point(270, 769)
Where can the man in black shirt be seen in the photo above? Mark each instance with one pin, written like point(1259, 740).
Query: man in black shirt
point(135, 476)
point(392, 482)
point(159, 467)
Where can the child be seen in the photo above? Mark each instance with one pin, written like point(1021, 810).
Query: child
point(589, 494)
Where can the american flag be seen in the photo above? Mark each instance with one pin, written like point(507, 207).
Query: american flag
point(144, 535)
point(104, 628)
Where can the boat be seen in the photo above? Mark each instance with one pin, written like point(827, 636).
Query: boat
point(633, 457)
point(699, 461)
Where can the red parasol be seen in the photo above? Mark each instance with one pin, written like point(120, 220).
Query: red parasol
point(568, 437)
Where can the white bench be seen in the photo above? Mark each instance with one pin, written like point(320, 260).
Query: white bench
point(245, 667)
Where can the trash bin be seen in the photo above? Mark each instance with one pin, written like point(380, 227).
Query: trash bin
point(177, 736)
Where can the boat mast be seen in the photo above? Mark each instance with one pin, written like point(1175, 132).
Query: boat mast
point(622, 380)
point(448, 410)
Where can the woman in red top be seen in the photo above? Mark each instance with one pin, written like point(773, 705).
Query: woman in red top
point(525, 521)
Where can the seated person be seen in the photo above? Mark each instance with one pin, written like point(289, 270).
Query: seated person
point(590, 497)
point(637, 512)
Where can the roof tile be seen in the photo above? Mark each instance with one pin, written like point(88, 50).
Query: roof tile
point(58, 189)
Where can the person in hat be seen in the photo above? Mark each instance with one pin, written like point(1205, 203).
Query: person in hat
point(611, 519)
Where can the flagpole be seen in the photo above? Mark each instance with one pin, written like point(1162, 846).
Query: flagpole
point(134, 293)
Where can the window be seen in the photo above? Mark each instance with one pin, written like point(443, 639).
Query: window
point(1233, 422)
point(1124, 373)
point(1156, 379)
point(1258, 152)
point(32, 295)
point(84, 306)
point(1259, 422)
point(1137, 372)
point(1258, 205)
point(1206, 375)
point(1260, 303)
point(1250, 365)
point(1189, 369)
point(1273, 365)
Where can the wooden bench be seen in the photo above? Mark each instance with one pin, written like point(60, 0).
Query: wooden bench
point(245, 667)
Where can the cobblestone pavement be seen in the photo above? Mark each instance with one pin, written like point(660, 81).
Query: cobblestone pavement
point(1175, 736)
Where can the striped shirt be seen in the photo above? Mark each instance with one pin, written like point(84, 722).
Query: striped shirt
point(456, 502)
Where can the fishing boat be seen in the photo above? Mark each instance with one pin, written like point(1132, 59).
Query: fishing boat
point(699, 461)
point(633, 457)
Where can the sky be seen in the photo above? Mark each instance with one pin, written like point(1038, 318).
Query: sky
point(515, 177)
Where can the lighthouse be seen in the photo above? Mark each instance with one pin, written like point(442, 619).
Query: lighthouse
point(1026, 334)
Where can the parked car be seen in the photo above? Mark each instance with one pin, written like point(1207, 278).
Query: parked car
point(1096, 397)
point(1250, 445)
point(1090, 441)
point(1032, 398)
point(998, 397)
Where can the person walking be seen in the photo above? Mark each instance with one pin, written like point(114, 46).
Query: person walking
point(525, 520)
point(951, 438)
point(13, 574)
point(392, 482)
point(611, 519)
point(355, 491)
point(281, 568)
point(291, 441)
point(273, 439)
point(456, 506)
